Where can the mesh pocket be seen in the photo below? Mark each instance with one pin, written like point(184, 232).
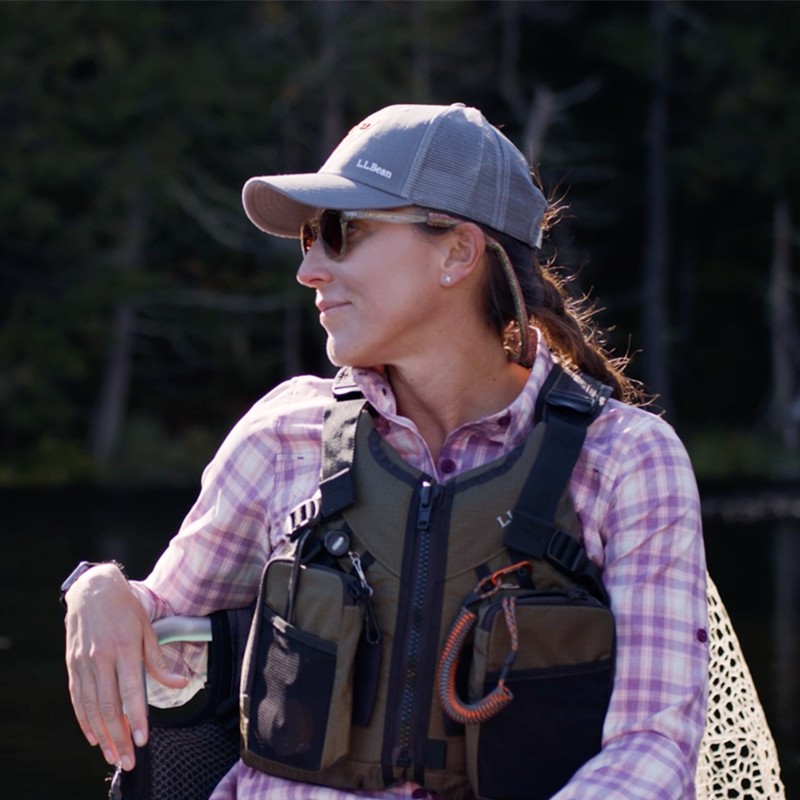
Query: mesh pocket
point(299, 685)
point(292, 702)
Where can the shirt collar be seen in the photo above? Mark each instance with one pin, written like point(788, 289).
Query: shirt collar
point(508, 427)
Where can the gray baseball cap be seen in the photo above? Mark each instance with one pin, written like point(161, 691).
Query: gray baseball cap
point(447, 158)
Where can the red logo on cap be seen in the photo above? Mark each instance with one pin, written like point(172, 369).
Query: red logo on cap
point(360, 128)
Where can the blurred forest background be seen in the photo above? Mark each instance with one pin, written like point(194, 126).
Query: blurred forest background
point(141, 313)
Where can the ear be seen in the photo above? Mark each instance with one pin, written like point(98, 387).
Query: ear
point(466, 246)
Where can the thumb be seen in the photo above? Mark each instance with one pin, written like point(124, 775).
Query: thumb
point(156, 664)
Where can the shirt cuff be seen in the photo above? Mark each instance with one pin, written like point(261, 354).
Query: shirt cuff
point(151, 603)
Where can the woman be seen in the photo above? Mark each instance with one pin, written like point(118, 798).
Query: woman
point(419, 237)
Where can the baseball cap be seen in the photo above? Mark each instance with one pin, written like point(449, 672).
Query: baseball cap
point(447, 158)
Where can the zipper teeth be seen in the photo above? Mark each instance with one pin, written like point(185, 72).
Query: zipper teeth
point(417, 615)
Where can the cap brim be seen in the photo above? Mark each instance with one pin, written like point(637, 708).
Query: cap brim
point(280, 204)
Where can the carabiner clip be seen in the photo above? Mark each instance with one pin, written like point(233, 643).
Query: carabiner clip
point(494, 582)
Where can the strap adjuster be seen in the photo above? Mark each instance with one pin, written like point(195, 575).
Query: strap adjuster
point(566, 552)
point(302, 516)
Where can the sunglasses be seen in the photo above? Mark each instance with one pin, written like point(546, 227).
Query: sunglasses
point(331, 226)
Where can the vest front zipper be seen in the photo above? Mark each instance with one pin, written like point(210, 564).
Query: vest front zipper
point(413, 649)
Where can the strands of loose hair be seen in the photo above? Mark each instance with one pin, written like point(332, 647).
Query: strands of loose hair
point(570, 331)
point(566, 320)
point(516, 277)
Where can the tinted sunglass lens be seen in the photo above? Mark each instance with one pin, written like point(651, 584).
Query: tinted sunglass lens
point(330, 230)
point(307, 237)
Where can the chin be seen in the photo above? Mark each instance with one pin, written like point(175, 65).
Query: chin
point(346, 357)
point(339, 359)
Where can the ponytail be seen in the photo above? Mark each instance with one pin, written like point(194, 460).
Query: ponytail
point(568, 327)
point(565, 321)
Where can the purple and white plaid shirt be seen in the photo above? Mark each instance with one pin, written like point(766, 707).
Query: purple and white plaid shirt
point(634, 490)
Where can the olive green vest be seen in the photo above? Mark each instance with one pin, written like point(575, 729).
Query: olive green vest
point(352, 616)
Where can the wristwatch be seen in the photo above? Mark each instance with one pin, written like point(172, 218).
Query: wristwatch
point(84, 566)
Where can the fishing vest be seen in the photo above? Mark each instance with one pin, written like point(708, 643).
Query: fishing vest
point(452, 634)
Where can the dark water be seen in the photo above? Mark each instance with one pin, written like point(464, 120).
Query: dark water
point(756, 565)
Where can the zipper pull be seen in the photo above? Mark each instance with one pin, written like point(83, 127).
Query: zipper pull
point(372, 632)
point(355, 560)
point(425, 505)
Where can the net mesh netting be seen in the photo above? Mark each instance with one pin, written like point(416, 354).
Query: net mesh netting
point(738, 758)
point(193, 760)
point(183, 763)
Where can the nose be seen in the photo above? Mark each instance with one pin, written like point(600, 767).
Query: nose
point(313, 269)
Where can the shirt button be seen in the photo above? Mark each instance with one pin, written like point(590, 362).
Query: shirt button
point(448, 466)
point(504, 421)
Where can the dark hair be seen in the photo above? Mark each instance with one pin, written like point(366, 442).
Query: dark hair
point(565, 320)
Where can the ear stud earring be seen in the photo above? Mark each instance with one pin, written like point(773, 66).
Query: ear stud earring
point(447, 280)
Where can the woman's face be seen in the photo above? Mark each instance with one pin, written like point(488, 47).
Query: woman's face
point(382, 303)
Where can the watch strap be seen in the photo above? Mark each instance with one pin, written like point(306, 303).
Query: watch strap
point(83, 566)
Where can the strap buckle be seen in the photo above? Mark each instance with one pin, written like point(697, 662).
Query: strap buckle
point(566, 552)
point(302, 516)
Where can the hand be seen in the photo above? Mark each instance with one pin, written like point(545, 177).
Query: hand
point(109, 637)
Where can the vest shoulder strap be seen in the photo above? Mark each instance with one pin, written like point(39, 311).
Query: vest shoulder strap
point(337, 486)
point(567, 404)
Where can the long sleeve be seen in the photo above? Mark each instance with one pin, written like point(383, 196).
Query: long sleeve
point(266, 465)
point(648, 525)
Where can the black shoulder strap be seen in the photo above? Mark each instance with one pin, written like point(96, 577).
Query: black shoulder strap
point(339, 445)
point(568, 404)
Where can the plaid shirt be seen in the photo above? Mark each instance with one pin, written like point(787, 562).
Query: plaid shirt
point(636, 496)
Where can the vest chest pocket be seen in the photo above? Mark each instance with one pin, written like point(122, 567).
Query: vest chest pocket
point(298, 685)
point(561, 681)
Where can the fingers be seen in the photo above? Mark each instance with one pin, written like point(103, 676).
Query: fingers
point(131, 687)
point(109, 720)
point(109, 641)
point(156, 665)
point(102, 688)
point(76, 694)
point(105, 632)
point(132, 684)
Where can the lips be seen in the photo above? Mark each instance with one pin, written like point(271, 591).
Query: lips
point(323, 306)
